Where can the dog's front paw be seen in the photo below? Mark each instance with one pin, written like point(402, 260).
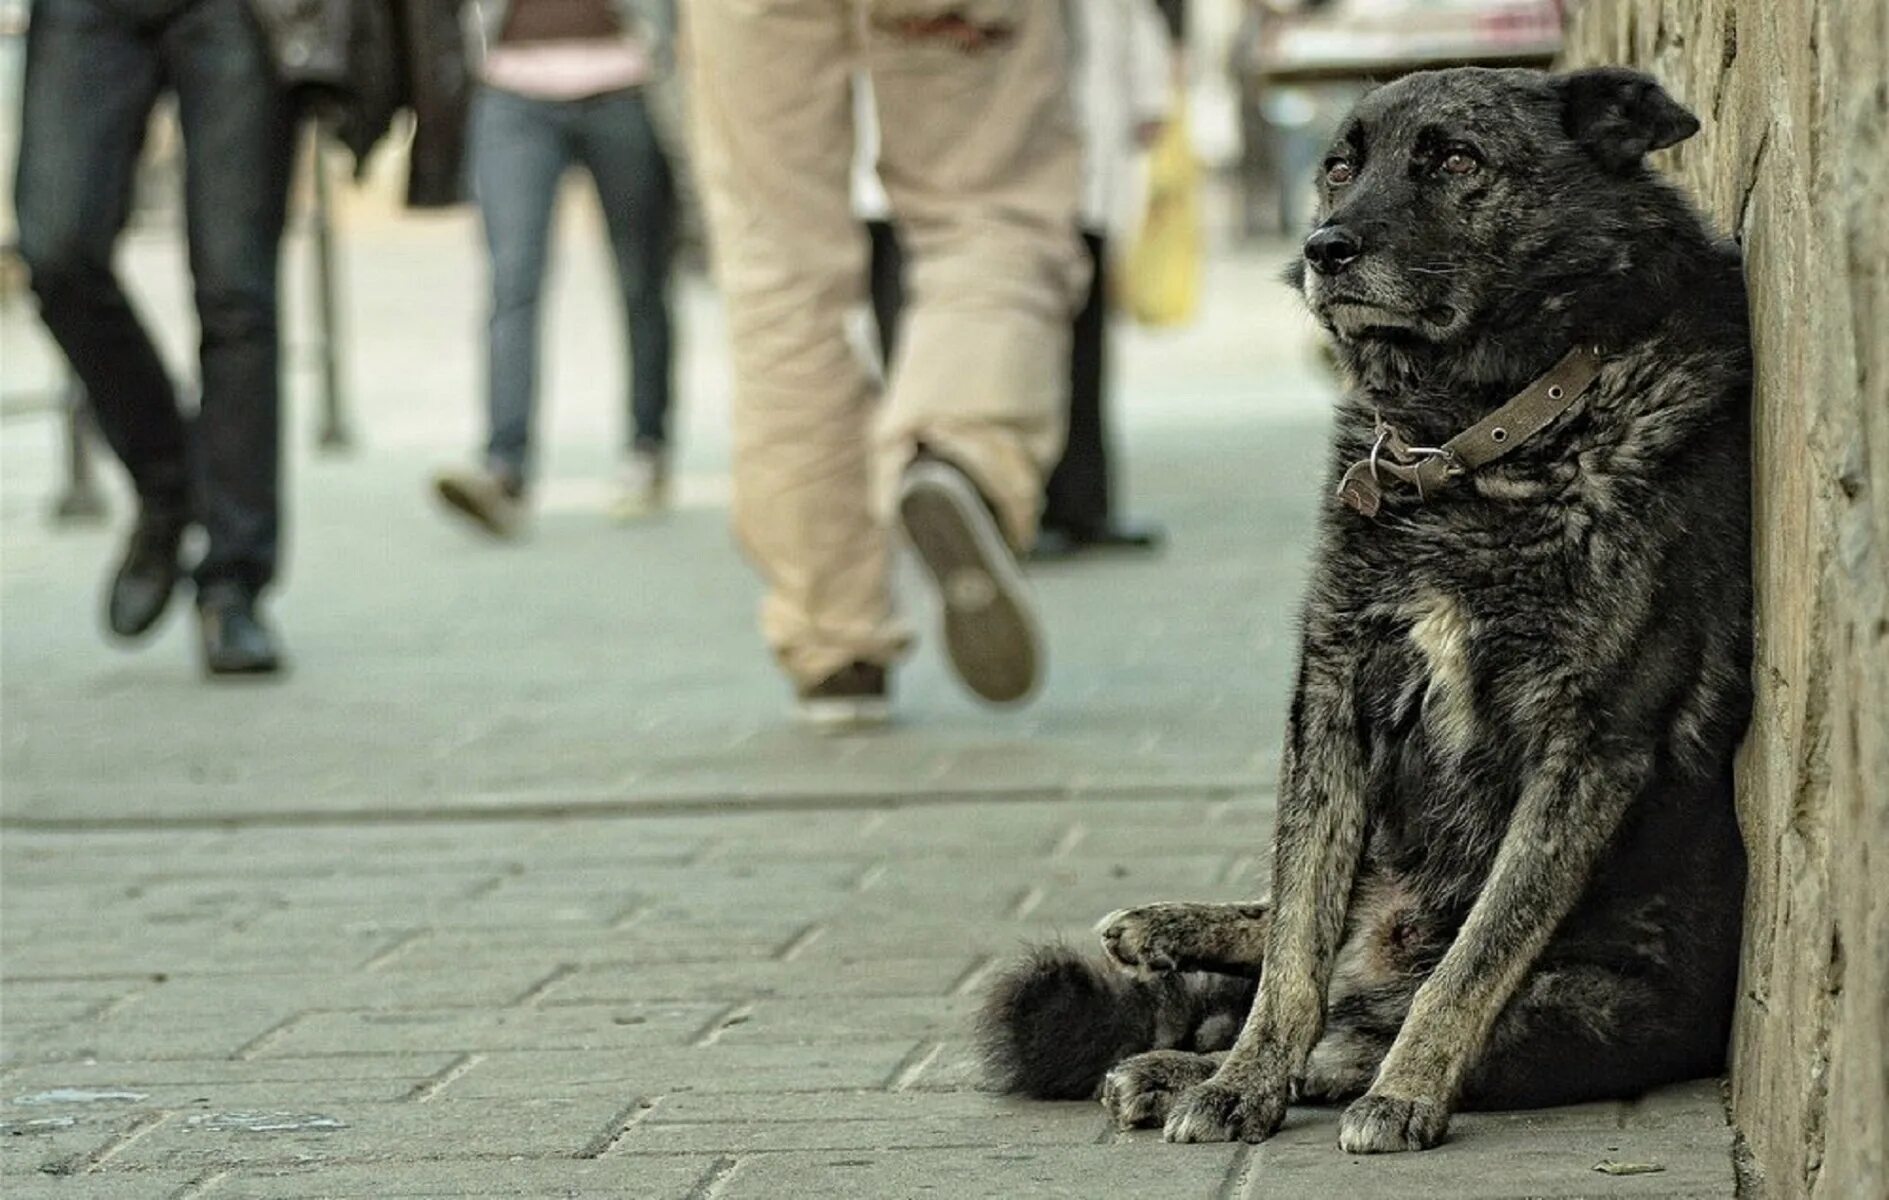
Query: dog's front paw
point(1215, 1112)
point(1142, 1090)
point(1138, 939)
point(1386, 1125)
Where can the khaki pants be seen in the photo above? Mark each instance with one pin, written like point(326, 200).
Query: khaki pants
point(980, 159)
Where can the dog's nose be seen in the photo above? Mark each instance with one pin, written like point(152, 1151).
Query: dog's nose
point(1332, 248)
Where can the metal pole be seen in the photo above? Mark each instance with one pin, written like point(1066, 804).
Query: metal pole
point(334, 434)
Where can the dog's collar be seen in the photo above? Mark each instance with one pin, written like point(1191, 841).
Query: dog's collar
point(1430, 469)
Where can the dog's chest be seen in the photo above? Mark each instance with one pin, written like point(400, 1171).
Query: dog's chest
point(1419, 678)
point(1439, 797)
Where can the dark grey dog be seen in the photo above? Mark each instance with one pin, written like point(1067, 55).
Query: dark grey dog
point(1506, 870)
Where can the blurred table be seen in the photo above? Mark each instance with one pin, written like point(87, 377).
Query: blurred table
point(1383, 39)
point(1384, 69)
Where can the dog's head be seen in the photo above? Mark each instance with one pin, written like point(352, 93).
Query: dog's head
point(1473, 199)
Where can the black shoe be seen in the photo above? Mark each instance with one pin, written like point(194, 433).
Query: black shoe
point(857, 696)
point(235, 641)
point(990, 631)
point(142, 586)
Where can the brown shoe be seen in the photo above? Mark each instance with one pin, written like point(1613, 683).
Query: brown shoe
point(857, 696)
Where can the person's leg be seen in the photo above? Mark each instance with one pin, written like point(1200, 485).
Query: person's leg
point(979, 158)
point(773, 105)
point(239, 130)
point(617, 142)
point(520, 148)
point(91, 79)
point(888, 287)
point(979, 155)
point(1076, 499)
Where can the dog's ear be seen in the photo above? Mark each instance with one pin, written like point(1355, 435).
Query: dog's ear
point(1620, 115)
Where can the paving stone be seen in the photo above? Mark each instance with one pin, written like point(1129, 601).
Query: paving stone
point(645, 1178)
point(142, 1185)
point(710, 1108)
point(61, 1143)
point(154, 1074)
point(1044, 1126)
point(598, 1027)
point(56, 1001)
point(165, 950)
point(561, 1127)
point(758, 935)
point(990, 1172)
point(1550, 1154)
point(714, 1069)
point(839, 1019)
point(731, 981)
point(127, 1036)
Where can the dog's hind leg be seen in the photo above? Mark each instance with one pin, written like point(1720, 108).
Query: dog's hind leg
point(1227, 939)
point(1564, 819)
point(1581, 1032)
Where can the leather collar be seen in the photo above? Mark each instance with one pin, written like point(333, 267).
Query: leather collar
point(1431, 469)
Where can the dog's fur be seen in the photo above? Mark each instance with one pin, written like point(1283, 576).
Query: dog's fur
point(1506, 868)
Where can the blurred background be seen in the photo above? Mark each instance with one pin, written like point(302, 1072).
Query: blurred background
point(591, 657)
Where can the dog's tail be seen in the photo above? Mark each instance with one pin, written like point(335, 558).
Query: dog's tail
point(1055, 1021)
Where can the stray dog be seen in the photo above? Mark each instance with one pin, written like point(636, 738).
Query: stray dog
point(1506, 868)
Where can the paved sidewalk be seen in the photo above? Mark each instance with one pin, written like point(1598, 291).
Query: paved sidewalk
point(523, 885)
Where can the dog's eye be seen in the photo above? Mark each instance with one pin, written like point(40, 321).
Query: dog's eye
point(1459, 162)
point(1338, 172)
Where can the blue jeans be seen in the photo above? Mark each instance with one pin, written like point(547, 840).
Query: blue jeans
point(520, 150)
point(94, 68)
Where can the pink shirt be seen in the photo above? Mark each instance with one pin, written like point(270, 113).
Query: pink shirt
point(570, 70)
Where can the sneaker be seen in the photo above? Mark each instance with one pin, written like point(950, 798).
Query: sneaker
point(990, 632)
point(857, 696)
point(643, 485)
point(493, 502)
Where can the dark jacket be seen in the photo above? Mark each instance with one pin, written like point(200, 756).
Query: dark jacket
point(362, 61)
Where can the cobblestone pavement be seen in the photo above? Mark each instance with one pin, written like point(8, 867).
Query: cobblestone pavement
point(522, 884)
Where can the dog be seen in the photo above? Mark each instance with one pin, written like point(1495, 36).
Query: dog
point(1506, 867)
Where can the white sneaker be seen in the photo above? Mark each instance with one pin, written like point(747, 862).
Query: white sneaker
point(642, 486)
point(494, 504)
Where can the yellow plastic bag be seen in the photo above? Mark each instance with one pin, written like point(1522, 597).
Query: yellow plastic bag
point(1161, 277)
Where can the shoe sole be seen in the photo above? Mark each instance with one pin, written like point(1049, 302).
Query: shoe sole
point(833, 715)
point(463, 501)
point(247, 669)
point(990, 633)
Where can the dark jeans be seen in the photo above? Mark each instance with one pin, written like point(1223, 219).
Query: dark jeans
point(94, 68)
point(1077, 497)
point(520, 150)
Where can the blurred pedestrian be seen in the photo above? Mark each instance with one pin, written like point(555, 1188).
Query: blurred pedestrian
point(94, 70)
point(1124, 93)
point(566, 82)
point(981, 163)
point(1124, 89)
